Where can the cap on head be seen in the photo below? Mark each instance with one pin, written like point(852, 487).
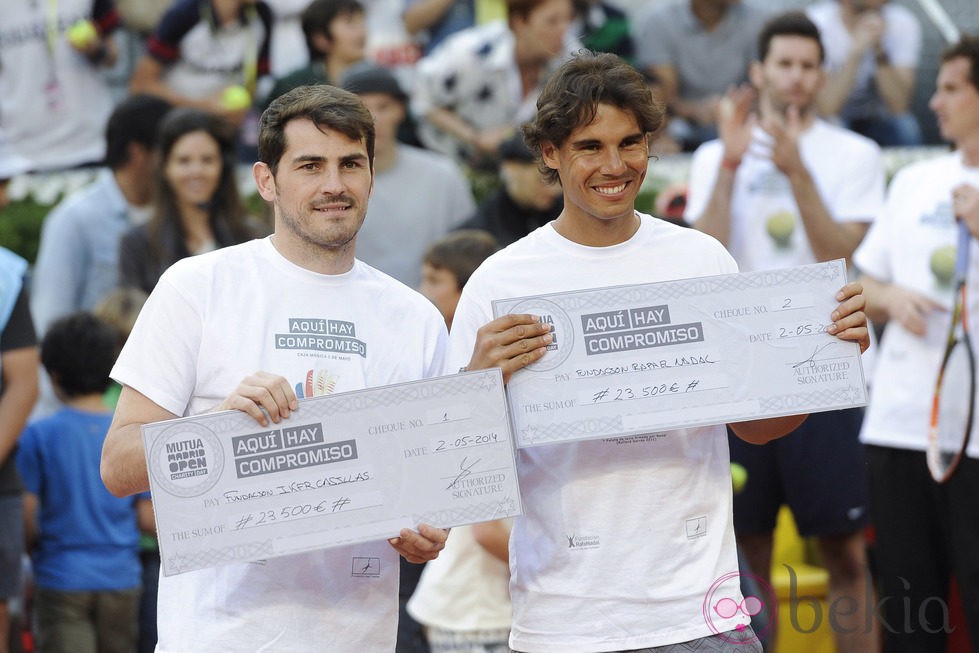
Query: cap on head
point(515, 148)
point(368, 77)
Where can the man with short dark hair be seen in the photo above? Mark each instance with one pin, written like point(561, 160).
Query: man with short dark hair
point(782, 188)
point(524, 200)
point(419, 195)
point(336, 38)
point(316, 156)
point(78, 257)
point(640, 581)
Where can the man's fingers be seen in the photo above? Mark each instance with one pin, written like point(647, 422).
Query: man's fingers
point(510, 342)
point(849, 290)
point(420, 546)
point(264, 396)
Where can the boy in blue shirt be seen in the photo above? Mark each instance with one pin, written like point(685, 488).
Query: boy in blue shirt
point(84, 541)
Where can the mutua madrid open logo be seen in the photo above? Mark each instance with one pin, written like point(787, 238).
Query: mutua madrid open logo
point(753, 601)
point(187, 459)
point(562, 331)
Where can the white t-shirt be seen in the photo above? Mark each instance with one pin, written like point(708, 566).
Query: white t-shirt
point(54, 102)
point(464, 589)
point(216, 318)
point(622, 539)
point(915, 222)
point(848, 172)
point(416, 202)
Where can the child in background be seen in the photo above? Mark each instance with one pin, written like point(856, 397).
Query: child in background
point(119, 309)
point(462, 598)
point(449, 263)
point(83, 541)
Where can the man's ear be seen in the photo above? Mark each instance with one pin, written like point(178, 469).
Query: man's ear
point(138, 153)
point(755, 74)
point(549, 155)
point(322, 42)
point(264, 181)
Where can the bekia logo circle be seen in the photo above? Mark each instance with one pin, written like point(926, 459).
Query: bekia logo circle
point(724, 602)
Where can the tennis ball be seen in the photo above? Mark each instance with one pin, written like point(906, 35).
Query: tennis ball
point(780, 226)
point(82, 34)
point(739, 476)
point(235, 98)
point(942, 263)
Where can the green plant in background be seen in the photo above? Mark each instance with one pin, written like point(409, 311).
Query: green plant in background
point(20, 227)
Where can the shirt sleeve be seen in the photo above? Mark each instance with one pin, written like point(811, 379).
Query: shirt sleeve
point(19, 330)
point(902, 37)
point(873, 255)
point(106, 16)
point(860, 198)
point(703, 176)
point(164, 43)
point(159, 357)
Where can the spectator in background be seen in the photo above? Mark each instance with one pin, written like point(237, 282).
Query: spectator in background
point(473, 92)
point(78, 256)
point(926, 533)
point(462, 597)
point(196, 205)
point(202, 48)
point(19, 363)
point(872, 50)
point(119, 309)
point(779, 189)
point(448, 264)
point(693, 51)
point(603, 27)
point(54, 100)
point(388, 42)
point(524, 201)
point(286, 51)
point(436, 20)
point(418, 195)
point(336, 36)
point(84, 541)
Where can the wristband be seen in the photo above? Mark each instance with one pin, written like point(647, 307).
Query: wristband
point(730, 164)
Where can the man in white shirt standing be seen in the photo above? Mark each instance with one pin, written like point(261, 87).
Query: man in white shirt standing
point(600, 559)
point(214, 319)
point(925, 532)
point(779, 189)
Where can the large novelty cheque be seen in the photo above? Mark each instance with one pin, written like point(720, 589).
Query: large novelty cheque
point(344, 468)
point(636, 359)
